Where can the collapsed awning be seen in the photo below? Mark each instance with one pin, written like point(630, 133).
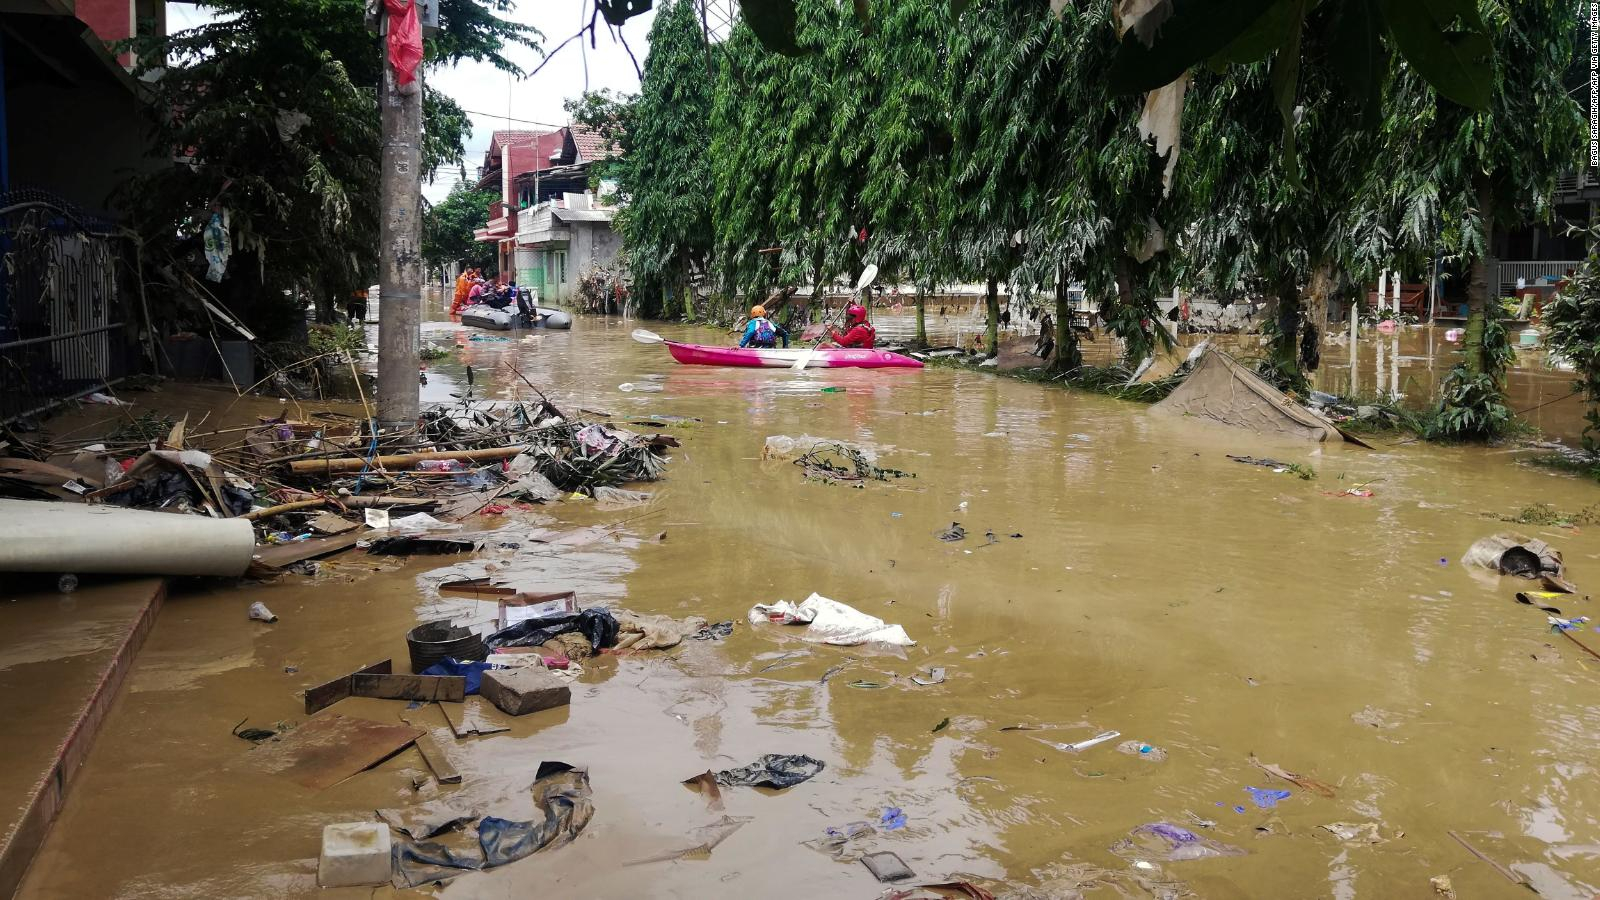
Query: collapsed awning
point(1222, 390)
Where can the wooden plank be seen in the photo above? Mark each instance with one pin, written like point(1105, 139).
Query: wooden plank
point(332, 523)
point(437, 761)
point(455, 723)
point(326, 750)
point(466, 722)
point(476, 587)
point(446, 688)
point(280, 555)
point(327, 694)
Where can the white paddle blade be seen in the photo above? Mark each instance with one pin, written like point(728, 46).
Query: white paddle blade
point(868, 275)
point(647, 337)
point(804, 360)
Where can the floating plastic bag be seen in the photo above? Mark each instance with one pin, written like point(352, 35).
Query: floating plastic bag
point(1267, 798)
point(831, 622)
point(619, 498)
point(1171, 843)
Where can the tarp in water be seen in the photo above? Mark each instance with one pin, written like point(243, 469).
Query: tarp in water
point(1222, 390)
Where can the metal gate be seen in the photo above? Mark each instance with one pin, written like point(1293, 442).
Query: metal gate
point(63, 328)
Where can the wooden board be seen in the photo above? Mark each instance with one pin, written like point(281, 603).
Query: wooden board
point(437, 761)
point(327, 694)
point(466, 722)
point(280, 555)
point(447, 688)
point(326, 750)
point(333, 523)
point(477, 587)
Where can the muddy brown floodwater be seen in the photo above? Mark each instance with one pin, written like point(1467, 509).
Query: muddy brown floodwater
point(1207, 609)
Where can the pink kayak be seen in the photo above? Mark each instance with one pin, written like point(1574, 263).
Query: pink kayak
point(821, 357)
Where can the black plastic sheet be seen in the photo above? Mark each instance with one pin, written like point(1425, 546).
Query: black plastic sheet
point(597, 625)
point(773, 770)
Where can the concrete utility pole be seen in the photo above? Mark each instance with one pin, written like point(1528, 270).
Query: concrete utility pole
point(400, 246)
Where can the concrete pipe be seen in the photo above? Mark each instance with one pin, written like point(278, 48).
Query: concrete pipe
point(52, 536)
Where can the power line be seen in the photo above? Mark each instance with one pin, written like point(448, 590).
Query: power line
point(473, 112)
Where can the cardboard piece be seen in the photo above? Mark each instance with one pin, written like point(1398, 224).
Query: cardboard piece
point(326, 750)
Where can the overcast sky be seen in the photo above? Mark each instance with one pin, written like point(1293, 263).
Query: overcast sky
point(490, 96)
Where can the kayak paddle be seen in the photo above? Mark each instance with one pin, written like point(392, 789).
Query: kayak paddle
point(647, 337)
point(867, 276)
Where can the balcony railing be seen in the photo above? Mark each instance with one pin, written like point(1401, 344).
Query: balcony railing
point(1505, 273)
point(1573, 182)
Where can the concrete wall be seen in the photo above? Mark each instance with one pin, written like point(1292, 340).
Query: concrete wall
point(593, 244)
point(116, 20)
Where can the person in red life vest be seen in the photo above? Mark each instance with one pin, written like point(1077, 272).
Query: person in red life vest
point(860, 334)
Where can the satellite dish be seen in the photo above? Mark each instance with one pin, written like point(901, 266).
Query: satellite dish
point(868, 275)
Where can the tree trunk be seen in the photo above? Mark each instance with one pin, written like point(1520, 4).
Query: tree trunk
point(326, 313)
point(1134, 348)
point(921, 340)
point(1285, 350)
point(1316, 310)
point(991, 302)
point(1478, 289)
point(1067, 355)
point(816, 276)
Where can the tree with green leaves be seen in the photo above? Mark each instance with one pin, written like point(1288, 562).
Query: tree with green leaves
point(448, 226)
point(823, 139)
point(750, 96)
point(1005, 61)
point(275, 104)
point(1267, 223)
point(1488, 170)
point(664, 167)
point(907, 177)
point(607, 113)
point(1054, 180)
point(1110, 213)
point(1574, 321)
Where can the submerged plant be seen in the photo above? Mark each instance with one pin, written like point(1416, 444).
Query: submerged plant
point(1471, 408)
point(1574, 321)
point(1472, 404)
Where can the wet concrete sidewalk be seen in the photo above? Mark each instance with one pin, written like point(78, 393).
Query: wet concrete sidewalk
point(62, 667)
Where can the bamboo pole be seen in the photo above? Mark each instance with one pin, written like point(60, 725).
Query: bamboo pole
point(352, 502)
point(402, 461)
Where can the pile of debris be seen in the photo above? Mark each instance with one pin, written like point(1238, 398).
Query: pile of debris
point(835, 462)
point(310, 488)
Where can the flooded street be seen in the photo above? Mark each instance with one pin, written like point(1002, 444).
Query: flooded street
point(1137, 581)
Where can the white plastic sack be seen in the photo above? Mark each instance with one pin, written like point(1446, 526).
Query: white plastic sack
point(421, 522)
point(831, 622)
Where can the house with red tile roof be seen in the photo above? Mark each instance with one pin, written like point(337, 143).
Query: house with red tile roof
point(548, 224)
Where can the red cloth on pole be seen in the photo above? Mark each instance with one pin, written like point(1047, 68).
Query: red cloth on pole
point(405, 39)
